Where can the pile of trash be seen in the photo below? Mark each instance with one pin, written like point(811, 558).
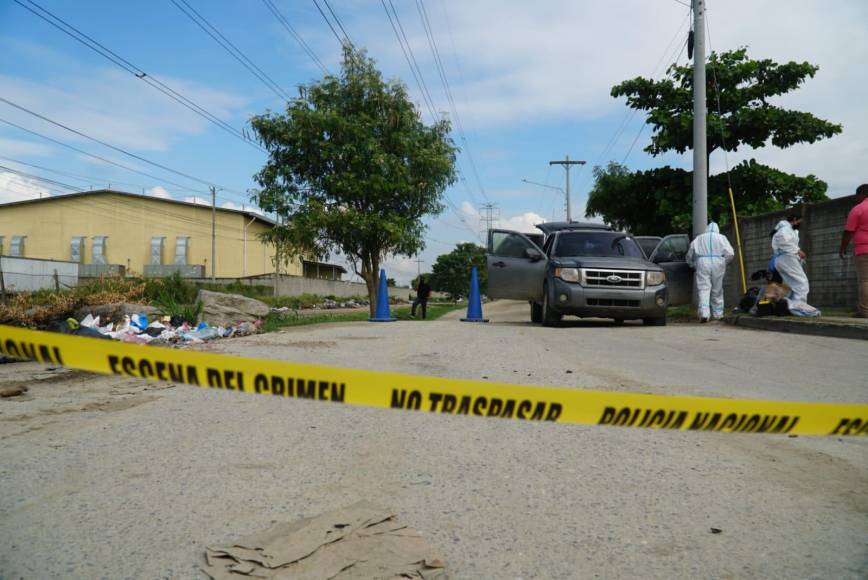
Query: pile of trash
point(138, 329)
point(329, 304)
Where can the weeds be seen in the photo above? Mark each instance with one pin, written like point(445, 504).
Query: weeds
point(176, 298)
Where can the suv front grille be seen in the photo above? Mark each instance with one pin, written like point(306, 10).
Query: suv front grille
point(614, 279)
point(613, 302)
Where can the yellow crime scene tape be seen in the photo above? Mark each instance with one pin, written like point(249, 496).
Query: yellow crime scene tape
point(434, 394)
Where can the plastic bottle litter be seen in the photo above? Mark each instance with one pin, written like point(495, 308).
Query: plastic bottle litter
point(140, 321)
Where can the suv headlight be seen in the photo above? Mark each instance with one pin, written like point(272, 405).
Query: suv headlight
point(654, 278)
point(567, 274)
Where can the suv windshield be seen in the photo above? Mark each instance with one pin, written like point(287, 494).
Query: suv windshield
point(596, 244)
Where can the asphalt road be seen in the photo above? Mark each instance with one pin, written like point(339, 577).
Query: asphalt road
point(113, 478)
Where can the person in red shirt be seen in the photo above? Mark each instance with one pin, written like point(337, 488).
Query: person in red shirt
point(856, 231)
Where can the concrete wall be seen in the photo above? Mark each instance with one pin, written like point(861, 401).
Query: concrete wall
point(833, 280)
point(130, 221)
point(28, 275)
point(297, 285)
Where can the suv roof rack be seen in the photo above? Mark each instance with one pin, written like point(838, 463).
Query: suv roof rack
point(551, 227)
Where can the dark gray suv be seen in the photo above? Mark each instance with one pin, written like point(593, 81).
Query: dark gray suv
point(588, 270)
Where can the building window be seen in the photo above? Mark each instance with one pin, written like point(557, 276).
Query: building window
point(76, 249)
point(157, 250)
point(17, 247)
point(99, 250)
point(2, 242)
point(181, 243)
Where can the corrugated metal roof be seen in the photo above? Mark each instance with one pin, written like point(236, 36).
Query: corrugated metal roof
point(98, 192)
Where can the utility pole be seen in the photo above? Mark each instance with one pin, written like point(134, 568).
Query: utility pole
point(567, 163)
point(700, 145)
point(419, 266)
point(213, 233)
point(490, 217)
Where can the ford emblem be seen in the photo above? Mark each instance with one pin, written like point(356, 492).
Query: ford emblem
point(613, 279)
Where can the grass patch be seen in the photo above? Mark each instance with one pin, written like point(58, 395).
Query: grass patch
point(683, 313)
point(277, 321)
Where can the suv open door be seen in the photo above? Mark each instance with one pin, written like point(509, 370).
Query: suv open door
point(516, 266)
point(671, 255)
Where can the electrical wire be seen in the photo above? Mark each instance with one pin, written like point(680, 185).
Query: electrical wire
point(726, 161)
point(115, 148)
point(630, 114)
point(410, 57)
point(419, 82)
point(136, 71)
point(229, 47)
point(298, 38)
point(91, 180)
point(97, 157)
point(441, 70)
point(338, 22)
point(38, 178)
point(327, 21)
point(86, 178)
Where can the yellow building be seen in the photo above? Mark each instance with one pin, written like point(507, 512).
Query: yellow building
point(144, 234)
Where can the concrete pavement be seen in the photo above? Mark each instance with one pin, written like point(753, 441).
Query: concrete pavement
point(112, 478)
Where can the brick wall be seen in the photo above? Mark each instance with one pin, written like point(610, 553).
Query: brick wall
point(833, 280)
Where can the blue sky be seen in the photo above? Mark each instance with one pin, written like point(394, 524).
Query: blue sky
point(531, 83)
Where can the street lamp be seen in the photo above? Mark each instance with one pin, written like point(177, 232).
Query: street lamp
point(543, 185)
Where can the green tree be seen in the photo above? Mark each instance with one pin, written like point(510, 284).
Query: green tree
point(353, 170)
point(659, 200)
point(451, 272)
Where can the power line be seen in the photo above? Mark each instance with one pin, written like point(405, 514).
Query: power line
point(289, 28)
point(426, 98)
point(97, 157)
point(338, 21)
point(92, 180)
point(38, 178)
point(645, 124)
point(441, 70)
point(136, 71)
point(630, 114)
point(327, 21)
point(80, 177)
point(114, 148)
point(229, 47)
point(410, 57)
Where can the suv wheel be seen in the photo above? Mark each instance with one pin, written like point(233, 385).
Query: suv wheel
point(549, 316)
point(535, 312)
point(655, 321)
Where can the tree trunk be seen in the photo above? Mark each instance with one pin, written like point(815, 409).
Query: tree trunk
point(370, 275)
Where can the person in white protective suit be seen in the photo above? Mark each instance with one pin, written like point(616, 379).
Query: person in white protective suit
point(708, 255)
point(788, 258)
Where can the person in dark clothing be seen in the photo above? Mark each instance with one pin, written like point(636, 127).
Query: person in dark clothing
point(423, 291)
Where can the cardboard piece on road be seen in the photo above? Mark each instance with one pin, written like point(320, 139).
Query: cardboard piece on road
point(360, 541)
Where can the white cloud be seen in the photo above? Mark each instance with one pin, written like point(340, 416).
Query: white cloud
point(231, 205)
point(160, 192)
point(199, 200)
point(523, 222)
point(533, 63)
point(15, 187)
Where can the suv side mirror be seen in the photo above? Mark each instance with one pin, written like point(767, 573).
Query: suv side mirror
point(533, 254)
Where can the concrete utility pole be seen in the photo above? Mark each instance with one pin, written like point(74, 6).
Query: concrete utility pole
point(567, 164)
point(213, 233)
point(700, 145)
